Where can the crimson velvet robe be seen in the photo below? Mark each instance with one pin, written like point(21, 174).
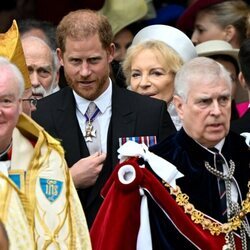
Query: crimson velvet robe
point(118, 220)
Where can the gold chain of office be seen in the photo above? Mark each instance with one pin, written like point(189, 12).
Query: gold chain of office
point(198, 217)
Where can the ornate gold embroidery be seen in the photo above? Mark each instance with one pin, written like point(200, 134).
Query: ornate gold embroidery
point(198, 217)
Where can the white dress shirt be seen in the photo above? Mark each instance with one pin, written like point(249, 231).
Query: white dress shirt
point(103, 102)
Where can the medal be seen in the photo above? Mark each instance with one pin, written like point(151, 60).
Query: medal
point(90, 116)
point(90, 132)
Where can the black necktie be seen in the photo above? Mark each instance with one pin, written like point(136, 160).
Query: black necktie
point(221, 184)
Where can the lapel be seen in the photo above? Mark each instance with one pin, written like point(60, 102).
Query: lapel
point(122, 123)
point(68, 129)
point(122, 120)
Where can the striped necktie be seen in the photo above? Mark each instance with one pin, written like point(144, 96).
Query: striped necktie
point(221, 184)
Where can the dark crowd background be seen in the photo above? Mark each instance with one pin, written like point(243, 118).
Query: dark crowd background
point(53, 11)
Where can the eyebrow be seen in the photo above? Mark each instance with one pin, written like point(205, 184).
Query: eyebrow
point(94, 57)
point(47, 66)
point(207, 96)
point(7, 96)
point(199, 26)
point(154, 68)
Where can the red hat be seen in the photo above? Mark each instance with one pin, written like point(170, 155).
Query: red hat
point(187, 19)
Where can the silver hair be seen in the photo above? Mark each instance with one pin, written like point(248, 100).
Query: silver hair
point(17, 75)
point(55, 62)
point(199, 70)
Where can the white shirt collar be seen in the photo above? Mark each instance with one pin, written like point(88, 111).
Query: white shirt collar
point(217, 146)
point(102, 102)
point(220, 145)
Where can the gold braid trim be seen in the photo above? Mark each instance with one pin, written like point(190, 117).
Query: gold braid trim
point(198, 217)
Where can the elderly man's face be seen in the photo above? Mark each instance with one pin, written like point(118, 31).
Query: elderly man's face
point(10, 106)
point(39, 59)
point(206, 113)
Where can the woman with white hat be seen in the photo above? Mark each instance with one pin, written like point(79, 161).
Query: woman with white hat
point(150, 65)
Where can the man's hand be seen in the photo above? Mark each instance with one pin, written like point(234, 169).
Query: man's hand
point(86, 171)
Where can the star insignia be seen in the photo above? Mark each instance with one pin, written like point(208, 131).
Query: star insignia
point(89, 133)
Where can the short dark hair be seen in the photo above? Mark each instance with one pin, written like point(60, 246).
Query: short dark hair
point(244, 59)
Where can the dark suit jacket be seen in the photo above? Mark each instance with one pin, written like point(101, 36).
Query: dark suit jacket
point(132, 115)
point(242, 124)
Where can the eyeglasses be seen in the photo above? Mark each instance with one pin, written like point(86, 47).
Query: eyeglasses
point(32, 101)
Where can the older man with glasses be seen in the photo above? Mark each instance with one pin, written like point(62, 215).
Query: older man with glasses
point(34, 162)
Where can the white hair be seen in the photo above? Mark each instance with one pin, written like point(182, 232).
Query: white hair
point(5, 63)
point(54, 59)
point(199, 70)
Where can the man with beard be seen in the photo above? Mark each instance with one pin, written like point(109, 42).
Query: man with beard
point(85, 51)
point(42, 65)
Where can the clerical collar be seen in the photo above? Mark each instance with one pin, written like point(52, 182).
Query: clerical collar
point(4, 154)
point(102, 102)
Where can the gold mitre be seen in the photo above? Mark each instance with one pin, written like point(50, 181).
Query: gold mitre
point(11, 47)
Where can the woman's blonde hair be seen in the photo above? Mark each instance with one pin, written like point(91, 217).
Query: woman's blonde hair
point(168, 57)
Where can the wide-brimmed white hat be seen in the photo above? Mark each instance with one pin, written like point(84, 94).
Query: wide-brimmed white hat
point(217, 47)
point(173, 37)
